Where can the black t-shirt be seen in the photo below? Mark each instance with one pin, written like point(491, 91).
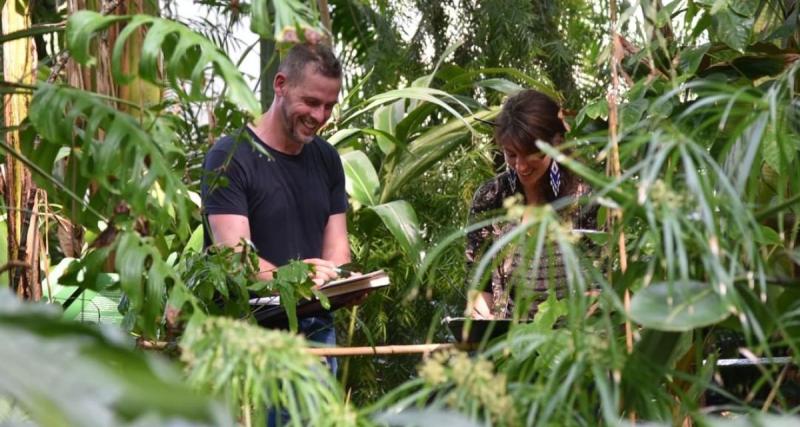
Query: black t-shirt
point(287, 198)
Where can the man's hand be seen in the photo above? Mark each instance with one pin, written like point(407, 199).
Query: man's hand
point(324, 270)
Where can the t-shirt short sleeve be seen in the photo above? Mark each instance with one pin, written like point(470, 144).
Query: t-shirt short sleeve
point(223, 184)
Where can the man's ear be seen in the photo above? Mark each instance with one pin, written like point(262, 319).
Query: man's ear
point(279, 84)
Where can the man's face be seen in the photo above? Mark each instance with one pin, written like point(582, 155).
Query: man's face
point(307, 102)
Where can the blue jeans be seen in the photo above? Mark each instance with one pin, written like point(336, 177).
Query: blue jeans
point(320, 329)
point(317, 329)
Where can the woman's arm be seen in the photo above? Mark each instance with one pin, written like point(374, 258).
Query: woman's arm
point(479, 305)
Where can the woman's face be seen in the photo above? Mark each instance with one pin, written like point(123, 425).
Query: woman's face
point(530, 167)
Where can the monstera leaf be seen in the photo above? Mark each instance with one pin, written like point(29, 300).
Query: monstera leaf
point(185, 54)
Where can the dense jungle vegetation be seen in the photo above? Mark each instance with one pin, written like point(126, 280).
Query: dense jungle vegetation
point(684, 118)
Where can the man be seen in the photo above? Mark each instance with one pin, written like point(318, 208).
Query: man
point(292, 203)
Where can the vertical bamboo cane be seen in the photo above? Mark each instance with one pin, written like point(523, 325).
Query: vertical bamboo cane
point(614, 167)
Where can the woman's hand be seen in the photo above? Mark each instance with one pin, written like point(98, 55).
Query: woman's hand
point(479, 305)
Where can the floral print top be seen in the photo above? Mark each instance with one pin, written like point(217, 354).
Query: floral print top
point(488, 201)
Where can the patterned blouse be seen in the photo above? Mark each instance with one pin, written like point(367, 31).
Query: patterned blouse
point(488, 201)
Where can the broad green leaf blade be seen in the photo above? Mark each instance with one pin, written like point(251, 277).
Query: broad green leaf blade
point(434, 96)
point(362, 181)
point(81, 26)
point(385, 118)
point(401, 220)
point(342, 135)
point(733, 29)
point(195, 243)
point(259, 19)
point(679, 306)
point(427, 149)
point(501, 85)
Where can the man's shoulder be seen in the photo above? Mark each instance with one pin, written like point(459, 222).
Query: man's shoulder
point(324, 146)
point(233, 142)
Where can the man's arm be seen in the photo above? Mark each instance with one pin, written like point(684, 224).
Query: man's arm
point(230, 229)
point(335, 246)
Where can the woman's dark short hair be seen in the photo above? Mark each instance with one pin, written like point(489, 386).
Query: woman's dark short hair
point(320, 55)
point(527, 117)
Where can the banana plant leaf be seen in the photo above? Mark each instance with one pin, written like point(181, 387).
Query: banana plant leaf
point(362, 181)
point(401, 220)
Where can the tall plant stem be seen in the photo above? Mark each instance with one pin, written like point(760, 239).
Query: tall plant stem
point(614, 170)
point(614, 167)
point(351, 329)
point(325, 17)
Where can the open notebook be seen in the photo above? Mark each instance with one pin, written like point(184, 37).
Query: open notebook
point(341, 292)
point(356, 283)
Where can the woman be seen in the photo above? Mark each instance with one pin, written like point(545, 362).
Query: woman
point(526, 118)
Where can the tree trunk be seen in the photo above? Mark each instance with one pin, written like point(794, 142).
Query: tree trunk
point(21, 198)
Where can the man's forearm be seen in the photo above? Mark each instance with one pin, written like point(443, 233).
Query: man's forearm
point(265, 269)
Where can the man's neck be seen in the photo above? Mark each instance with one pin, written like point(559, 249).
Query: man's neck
point(270, 129)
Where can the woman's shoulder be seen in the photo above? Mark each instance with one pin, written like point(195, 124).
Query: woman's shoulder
point(491, 193)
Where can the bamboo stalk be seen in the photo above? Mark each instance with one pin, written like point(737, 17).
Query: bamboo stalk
point(383, 350)
point(388, 349)
point(614, 167)
point(614, 170)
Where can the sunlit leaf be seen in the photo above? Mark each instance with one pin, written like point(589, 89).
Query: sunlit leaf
point(184, 53)
point(401, 220)
point(733, 29)
point(362, 181)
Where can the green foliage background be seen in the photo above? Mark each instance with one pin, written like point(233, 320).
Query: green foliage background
point(708, 142)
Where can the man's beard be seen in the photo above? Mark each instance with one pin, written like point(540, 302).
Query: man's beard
point(290, 127)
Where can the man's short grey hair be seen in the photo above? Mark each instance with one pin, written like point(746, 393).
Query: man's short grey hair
point(319, 55)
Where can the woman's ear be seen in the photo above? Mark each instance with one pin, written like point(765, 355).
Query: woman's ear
point(557, 140)
point(561, 117)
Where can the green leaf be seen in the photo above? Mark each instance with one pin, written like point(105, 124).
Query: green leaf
point(385, 118)
point(597, 109)
point(425, 150)
point(362, 181)
point(767, 235)
point(733, 29)
point(401, 220)
point(195, 243)
point(260, 21)
point(184, 53)
point(119, 384)
point(342, 135)
point(81, 26)
point(744, 7)
point(501, 85)
point(678, 306)
point(632, 112)
point(434, 96)
point(293, 282)
point(33, 30)
point(690, 58)
point(123, 167)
